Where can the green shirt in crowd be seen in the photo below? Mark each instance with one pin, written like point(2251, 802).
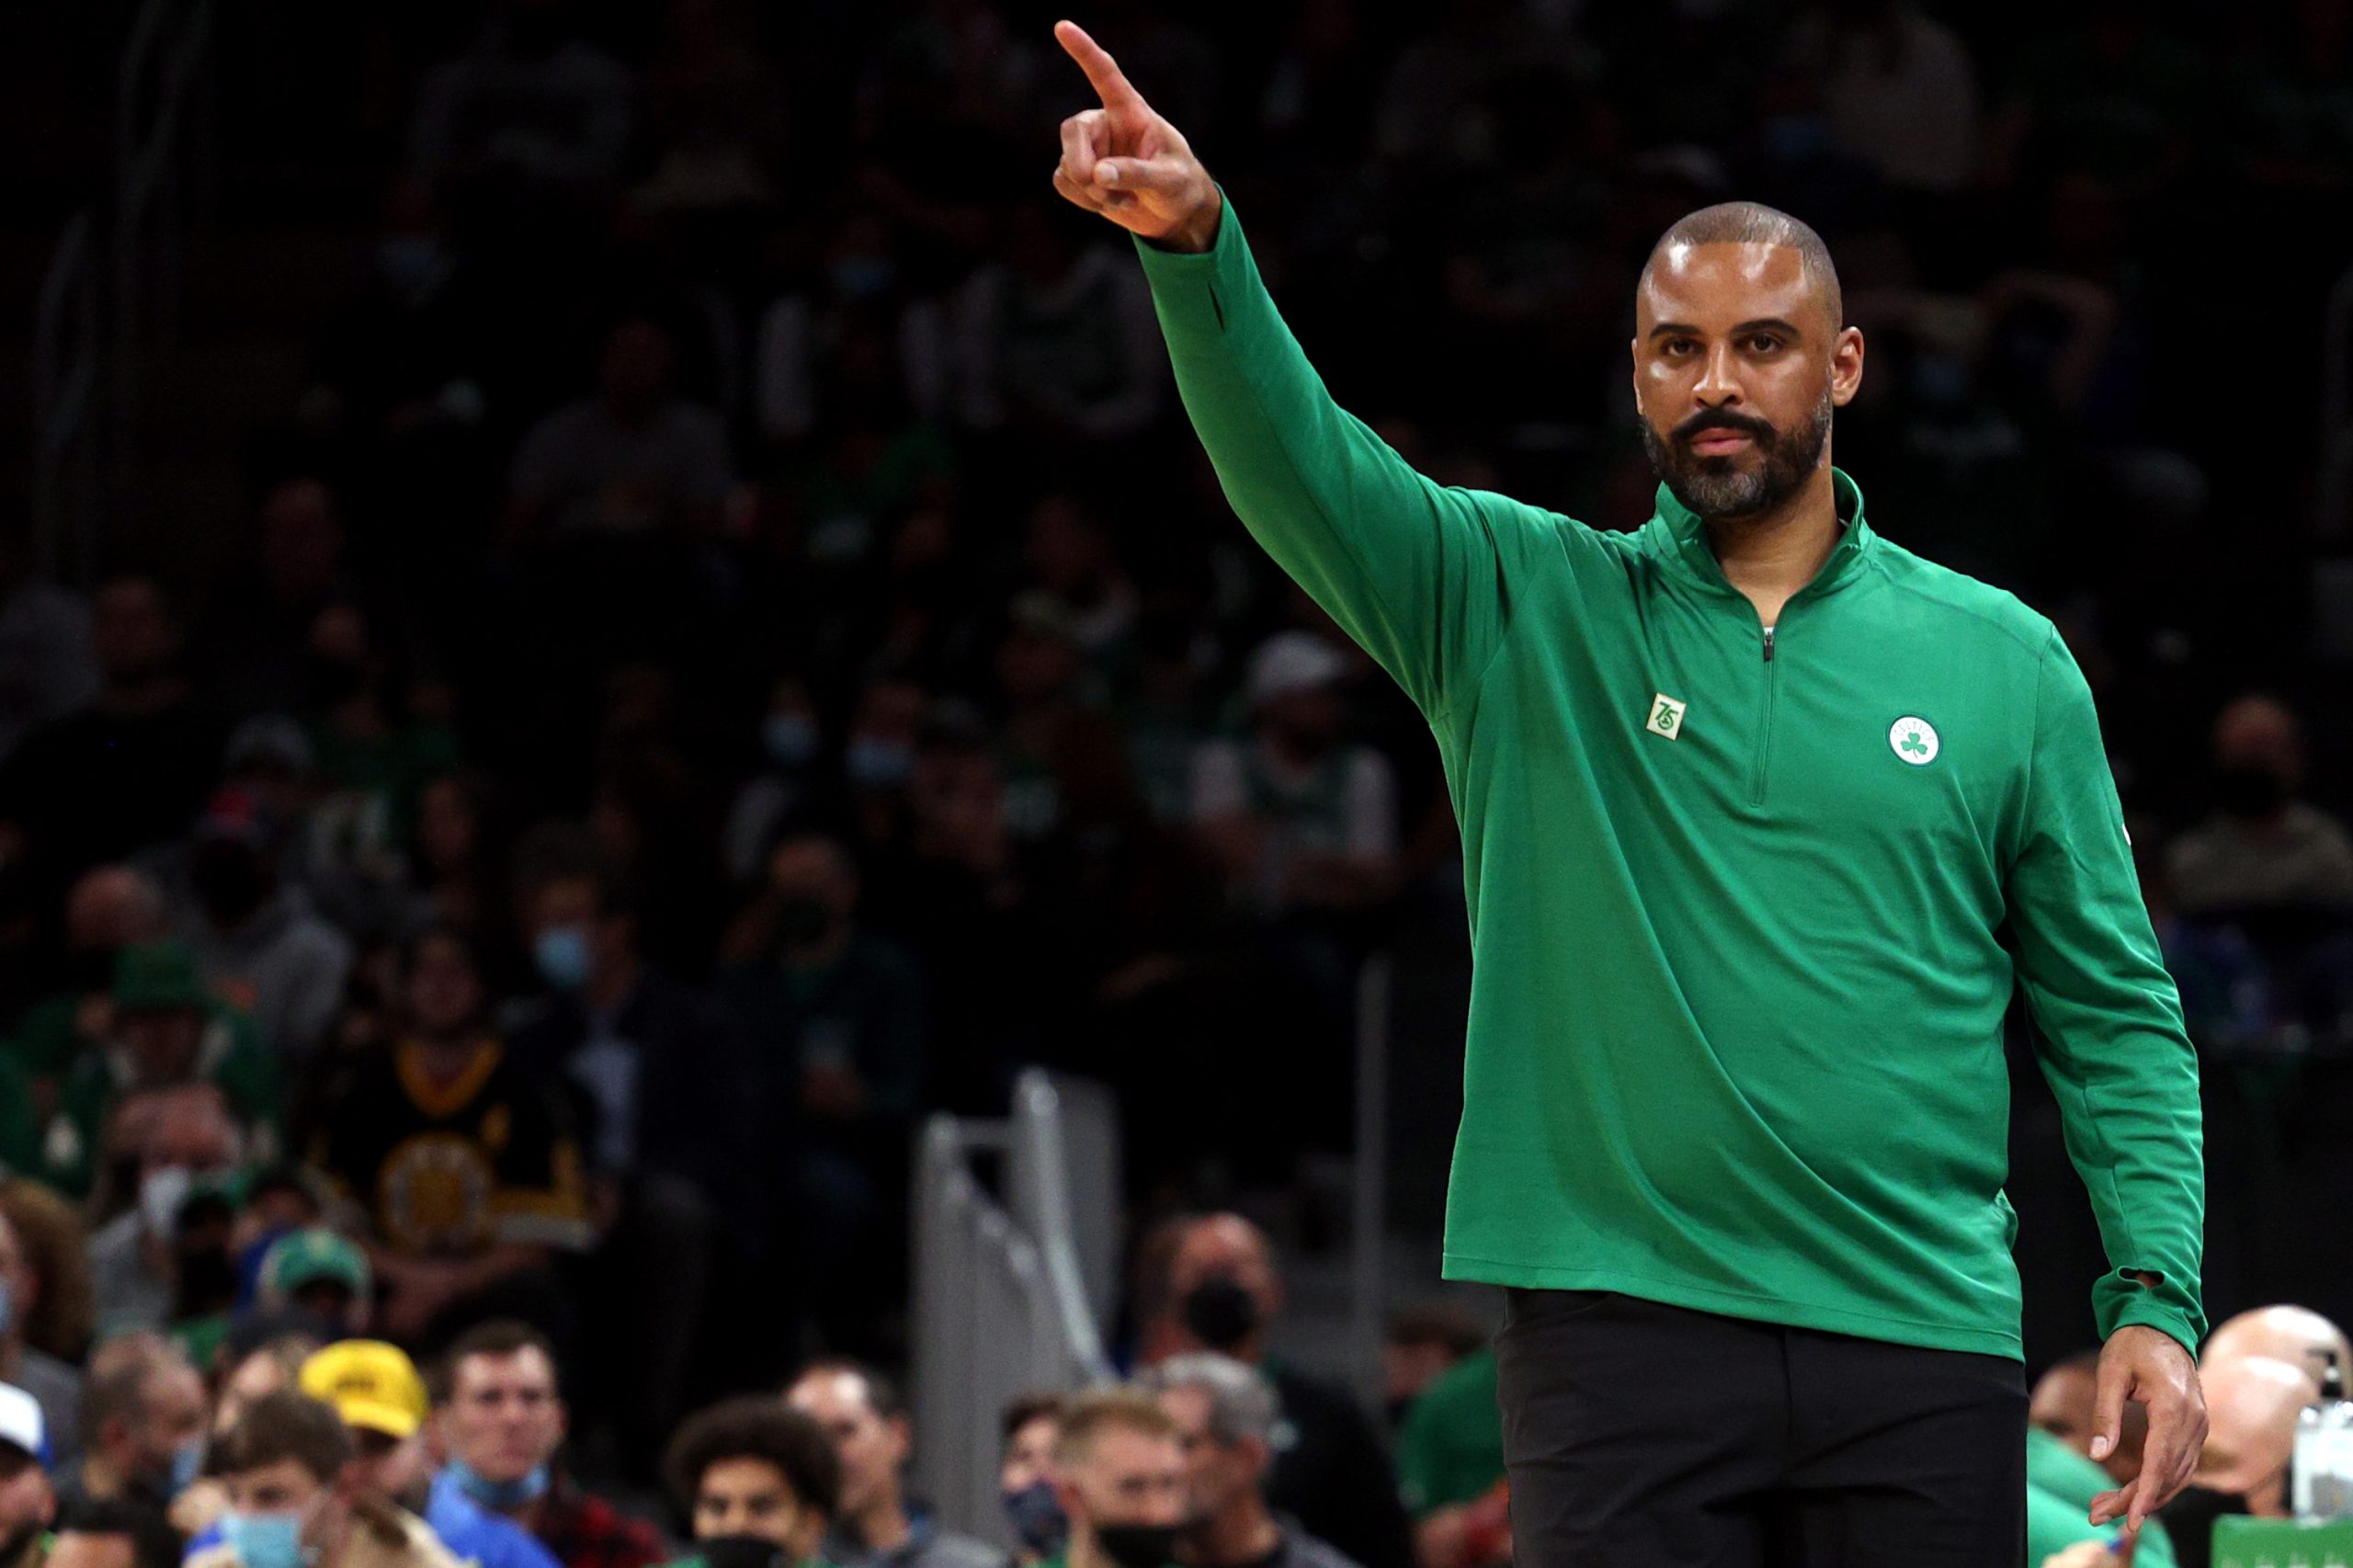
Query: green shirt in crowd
point(1746, 909)
point(2060, 1486)
point(1450, 1450)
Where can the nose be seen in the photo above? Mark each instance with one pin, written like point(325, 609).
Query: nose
point(1718, 383)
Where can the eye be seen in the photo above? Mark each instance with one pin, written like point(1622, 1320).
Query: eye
point(1676, 348)
point(1763, 343)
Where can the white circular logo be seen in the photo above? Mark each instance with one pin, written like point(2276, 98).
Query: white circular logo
point(1914, 740)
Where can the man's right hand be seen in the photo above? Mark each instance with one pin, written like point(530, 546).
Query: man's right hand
point(1128, 163)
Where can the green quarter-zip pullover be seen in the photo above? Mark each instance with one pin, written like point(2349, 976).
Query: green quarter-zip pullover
point(1746, 904)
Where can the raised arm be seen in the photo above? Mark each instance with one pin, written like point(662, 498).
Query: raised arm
point(1418, 573)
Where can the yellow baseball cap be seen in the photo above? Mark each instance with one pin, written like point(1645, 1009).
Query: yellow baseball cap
point(370, 1383)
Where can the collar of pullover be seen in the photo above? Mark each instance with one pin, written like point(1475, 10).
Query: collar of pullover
point(1679, 536)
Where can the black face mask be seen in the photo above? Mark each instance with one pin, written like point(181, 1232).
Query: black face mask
point(1137, 1546)
point(743, 1551)
point(2251, 792)
point(2190, 1521)
point(230, 881)
point(1221, 1315)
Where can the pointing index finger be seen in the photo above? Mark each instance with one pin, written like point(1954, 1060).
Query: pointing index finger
point(1102, 71)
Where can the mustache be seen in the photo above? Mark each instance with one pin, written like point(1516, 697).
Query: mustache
point(1748, 425)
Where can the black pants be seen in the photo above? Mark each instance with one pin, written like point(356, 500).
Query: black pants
point(1644, 1436)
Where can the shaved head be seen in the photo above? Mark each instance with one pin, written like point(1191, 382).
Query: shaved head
point(1754, 223)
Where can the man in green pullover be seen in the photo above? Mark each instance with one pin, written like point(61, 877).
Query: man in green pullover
point(1763, 819)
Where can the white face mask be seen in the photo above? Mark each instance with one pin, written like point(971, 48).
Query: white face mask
point(161, 1193)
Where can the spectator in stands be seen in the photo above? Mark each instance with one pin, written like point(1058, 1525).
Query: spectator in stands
point(168, 1032)
point(2064, 1476)
point(636, 458)
point(251, 643)
point(143, 1437)
point(1119, 1470)
point(122, 772)
point(1450, 1465)
point(859, 287)
point(452, 868)
point(786, 786)
point(531, 106)
point(1068, 795)
point(2266, 848)
point(840, 1013)
point(1225, 1415)
point(1422, 1344)
point(109, 908)
point(53, 1385)
point(321, 1273)
point(874, 1526)
point(1218, 1290)
point(1025, 1478)
point(465, 1163)
point(374, 1388)
point(261, 945)
point(152, 1266)
point(759, 1480)
point(379, 736)
point(501, 1420)
point(28, 1502)
point(283, 1465)
point(672, 1139)
point(1056, 340)
point(653, 1060)
point(1302, 820)
point(1070, 555)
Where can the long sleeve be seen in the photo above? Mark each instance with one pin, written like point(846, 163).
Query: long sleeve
point(2113, 1046)
point(1418, 573)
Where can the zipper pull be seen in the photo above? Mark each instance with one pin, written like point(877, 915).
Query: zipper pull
point(1768, 644)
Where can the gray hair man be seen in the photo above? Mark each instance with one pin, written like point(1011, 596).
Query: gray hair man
point(1225, 1415)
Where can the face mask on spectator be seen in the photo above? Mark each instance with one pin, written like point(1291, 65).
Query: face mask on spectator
point(743, 1551)
point(563, 957)
point(874, 764)
point(1137, 1546)
point(2250, 791)
point(161, 1193)
point(1221, 1314)
point(265, 1540)
point(1036, 1519)
point(499, 1496)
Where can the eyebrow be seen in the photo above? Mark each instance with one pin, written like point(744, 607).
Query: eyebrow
point(1762, 323)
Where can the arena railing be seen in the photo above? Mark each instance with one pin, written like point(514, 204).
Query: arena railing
point(1009, 1279)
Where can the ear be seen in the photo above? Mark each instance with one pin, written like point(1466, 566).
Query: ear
point(1846, 366)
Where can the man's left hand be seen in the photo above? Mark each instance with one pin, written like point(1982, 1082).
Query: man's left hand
point(2149, 1366)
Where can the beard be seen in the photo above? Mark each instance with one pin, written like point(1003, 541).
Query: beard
point(1719, 487)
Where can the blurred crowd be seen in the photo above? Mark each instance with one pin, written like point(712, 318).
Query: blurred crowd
point(735, 650)
point(293, 1444)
